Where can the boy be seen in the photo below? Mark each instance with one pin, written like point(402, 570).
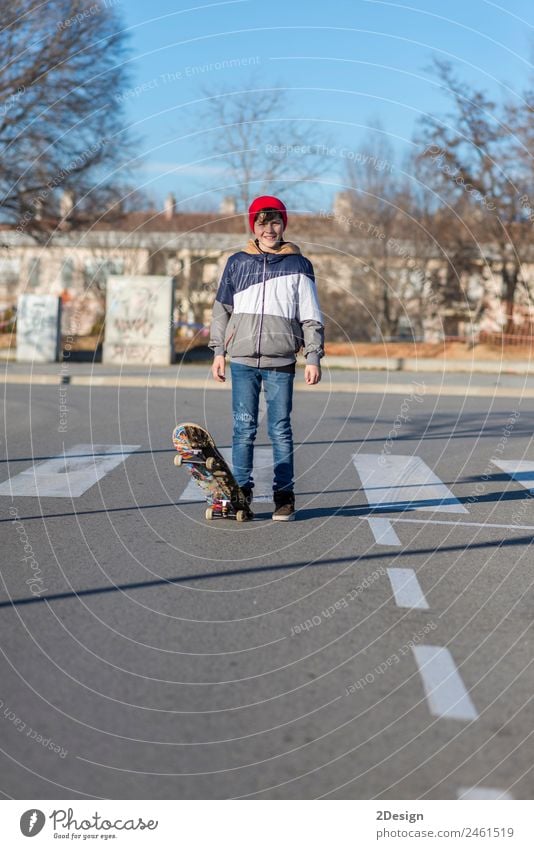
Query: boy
point(265, 311)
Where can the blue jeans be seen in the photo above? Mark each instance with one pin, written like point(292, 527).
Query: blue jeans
point(278, 387)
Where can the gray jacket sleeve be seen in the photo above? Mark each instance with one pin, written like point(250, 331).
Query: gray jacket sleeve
point(219, 322)
point(310, 317)
point(313, 332)
point(222, 310)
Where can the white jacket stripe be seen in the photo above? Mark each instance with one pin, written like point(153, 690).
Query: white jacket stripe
point(289, 296)
point(281, 296)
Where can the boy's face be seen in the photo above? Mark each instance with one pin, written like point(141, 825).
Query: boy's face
point(269, 229)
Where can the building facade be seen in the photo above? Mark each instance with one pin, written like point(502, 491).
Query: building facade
point(358, 281)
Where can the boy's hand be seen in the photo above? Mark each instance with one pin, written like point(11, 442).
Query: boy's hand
point(218, 369)
point(312, 375)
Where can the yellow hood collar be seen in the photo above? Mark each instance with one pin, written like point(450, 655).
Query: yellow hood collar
point(285, 248)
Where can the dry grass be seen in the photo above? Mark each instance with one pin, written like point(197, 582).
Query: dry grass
point(429, 350)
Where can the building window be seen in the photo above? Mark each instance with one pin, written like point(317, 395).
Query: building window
point(9, 277)
point(33, 272)
point(97, 271)
point(67, 274)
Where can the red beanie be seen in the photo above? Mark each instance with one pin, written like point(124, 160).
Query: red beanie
point(266, 202)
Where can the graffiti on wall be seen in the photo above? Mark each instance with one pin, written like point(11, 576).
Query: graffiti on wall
point(139, 320)
point(133, 313)
point(38, 328)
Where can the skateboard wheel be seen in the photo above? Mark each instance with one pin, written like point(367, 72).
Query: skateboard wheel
point(178, 460)
point(210, 463)
point(241, 516)
point(209, 513)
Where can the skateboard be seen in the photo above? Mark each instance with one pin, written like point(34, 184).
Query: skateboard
point(198, 454)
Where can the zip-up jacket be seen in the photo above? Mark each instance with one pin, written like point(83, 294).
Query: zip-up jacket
point(266, 308)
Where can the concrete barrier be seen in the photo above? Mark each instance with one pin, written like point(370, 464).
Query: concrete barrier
point(139, 313)
point(38, 328)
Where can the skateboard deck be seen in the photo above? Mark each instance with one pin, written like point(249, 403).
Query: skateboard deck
point(199, 455)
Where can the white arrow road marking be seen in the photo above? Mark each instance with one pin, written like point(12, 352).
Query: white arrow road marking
point(460, 524)
point(444, 688)
point(68, 475)
point(263, 477)
point(521, 471)
point(383, 531)
point(398, 480)
point(482, 793)
point(407, 589)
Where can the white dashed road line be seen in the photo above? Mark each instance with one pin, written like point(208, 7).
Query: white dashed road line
point(383, 532)
point(482, 793)
point(407, 589)
point(445, 691)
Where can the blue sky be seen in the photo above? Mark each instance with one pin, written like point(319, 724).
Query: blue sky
point(344, 65)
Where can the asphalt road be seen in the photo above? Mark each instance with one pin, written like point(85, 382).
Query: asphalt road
point(155, 655)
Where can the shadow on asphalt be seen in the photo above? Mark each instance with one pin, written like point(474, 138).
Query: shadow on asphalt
point(304, 514)
point(257, 570)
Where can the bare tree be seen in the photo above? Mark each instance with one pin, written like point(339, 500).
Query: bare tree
point(61, 122)
point(482, 167)
point(443, 254)
point(262, 149)
point(374, 196)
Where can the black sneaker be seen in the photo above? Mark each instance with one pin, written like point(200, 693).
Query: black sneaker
point(284, 507)
point(247, 492)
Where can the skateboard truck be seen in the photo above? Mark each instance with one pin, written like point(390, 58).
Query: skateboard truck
point(209, 462)
point(223, 509)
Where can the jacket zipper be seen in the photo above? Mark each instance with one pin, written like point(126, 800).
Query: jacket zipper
point(262, 311)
